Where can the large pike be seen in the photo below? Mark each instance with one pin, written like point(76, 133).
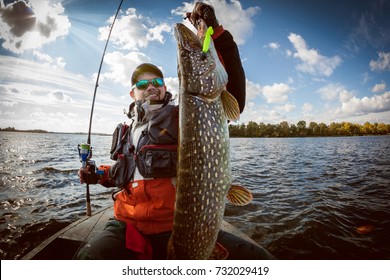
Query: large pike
point(204, 173)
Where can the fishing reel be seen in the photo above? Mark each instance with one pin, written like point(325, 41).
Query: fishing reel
point(85, 155)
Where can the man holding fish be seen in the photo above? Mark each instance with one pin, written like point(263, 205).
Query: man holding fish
point(172, 162)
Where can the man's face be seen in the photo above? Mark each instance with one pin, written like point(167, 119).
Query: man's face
point(151, 92)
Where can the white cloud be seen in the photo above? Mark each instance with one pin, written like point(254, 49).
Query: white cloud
point(133, 31)
point(371, 28)
point(277, 93)
point(286, 108)
point(155, 33)
point(350, 106)
point(312, 61)
point(365, 77)
point(366, 105)
point(379, 87)
point(54, 95)
point(273, 45)
point(382, 64)
point(253, 90)
point(121, 66)
point(59, 96)
point(25, 27)
point(57, 62)
point(307, 107)
point(335, 91)
point(172, 86)
point(231, 15)
point(261, 113)
point(8, 103)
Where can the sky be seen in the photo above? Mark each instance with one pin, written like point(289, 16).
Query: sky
point(322, 61)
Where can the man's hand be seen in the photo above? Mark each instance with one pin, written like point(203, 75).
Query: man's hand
point(88, 176)
point(204, 11)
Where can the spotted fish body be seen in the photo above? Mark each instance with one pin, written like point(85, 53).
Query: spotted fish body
point(204, 173)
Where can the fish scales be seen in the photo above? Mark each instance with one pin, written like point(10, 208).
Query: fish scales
point(204, 173)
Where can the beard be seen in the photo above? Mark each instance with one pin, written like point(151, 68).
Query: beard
point(152, 94)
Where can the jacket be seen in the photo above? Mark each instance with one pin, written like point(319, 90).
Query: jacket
point(145, 170)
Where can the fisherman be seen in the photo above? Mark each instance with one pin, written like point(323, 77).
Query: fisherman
point(145, 165)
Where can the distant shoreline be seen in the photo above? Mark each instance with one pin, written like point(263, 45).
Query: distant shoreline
point(11, 129)
point(232, 135)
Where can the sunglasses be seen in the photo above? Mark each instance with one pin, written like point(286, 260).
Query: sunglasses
point(143, 84)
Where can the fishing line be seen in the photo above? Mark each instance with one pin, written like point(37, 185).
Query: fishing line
point(94, 97)
point(98, 75)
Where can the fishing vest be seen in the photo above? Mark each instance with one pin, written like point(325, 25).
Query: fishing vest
point(156, 152)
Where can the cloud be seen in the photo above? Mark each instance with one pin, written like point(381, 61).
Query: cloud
point(366, 105)
point(365, 77)
point(261, 113)
point(48, 61)
point(312, 61)
point(172, 85)
point(121, 66)
point(8, 103)
point(286, 108)
point(155, 33)
point(19, 17)
point(349, 105)
point(379, 87)
point(382, 64)
point(231, 15)
point(307, 107)
point(54, 94)
point(335, 92)
point(30, 26)
point(59, 96)
point(253, 90)
point(371, 28)
point(277, 93)
point(273, 45)
point(133, 31)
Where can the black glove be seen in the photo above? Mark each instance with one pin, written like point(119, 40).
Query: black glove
point(88, 175)
point(204, 11)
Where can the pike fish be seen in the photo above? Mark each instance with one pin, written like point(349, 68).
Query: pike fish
point(204, 170)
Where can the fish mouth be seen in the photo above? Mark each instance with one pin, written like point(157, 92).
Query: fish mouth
point(186, 38)
point(195, 68)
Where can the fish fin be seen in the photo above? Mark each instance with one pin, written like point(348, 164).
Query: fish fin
point(219, 252)
point(239, 196)
point(230, 106)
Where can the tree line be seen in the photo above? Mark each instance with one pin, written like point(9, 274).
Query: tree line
point(301, 129)
point(13, 129)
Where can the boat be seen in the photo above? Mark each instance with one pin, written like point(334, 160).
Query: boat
point(65, 244)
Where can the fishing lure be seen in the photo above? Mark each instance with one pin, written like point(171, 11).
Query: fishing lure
point(207, 39)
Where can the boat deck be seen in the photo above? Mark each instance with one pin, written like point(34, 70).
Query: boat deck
point(65, 244)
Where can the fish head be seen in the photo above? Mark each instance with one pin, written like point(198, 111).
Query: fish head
point(201, 74)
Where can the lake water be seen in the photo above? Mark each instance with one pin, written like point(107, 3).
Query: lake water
point(314, 198)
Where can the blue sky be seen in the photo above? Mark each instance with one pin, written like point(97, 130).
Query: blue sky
point(322, 61)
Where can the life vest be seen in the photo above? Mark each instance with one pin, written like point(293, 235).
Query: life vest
point(156, 152)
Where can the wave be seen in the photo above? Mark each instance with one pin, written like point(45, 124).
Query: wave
point(55, 170)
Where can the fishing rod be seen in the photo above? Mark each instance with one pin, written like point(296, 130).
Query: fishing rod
point(85, 150)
